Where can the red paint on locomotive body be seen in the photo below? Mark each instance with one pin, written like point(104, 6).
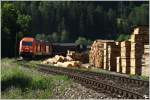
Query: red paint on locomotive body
point(27, 45)
point(33, 47)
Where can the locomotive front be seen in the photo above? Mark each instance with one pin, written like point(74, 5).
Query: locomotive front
point(26, 47)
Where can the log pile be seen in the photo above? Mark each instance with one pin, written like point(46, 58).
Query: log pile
point(125, 56)
point(142, 38)
point(145, 61)
point(139, 46)
point(83, 57)
point(103, 54)
point(71, 60)
point(113, 53)
point(140, 64)
point(105, 60)
point(54, 60)
point(96, 54)
point(130, 57)
point(141, 30)
point(118, 58)
point(119, 68)
point(68, 64)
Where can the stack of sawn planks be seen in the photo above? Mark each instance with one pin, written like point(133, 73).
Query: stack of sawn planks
point(139, 54)
point(130, 57)
point(125, 56)
point(111, 52)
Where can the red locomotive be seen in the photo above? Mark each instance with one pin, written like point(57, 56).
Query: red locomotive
point(32, 47)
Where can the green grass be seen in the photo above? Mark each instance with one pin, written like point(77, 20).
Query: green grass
point(98, 70)
point(20, 82)
point(29, 63)
point(139, 77)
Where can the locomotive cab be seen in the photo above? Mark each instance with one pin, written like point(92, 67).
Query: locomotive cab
point(26, 47)
point(30, 47)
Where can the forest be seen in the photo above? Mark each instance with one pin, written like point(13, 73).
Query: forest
point(68, 21)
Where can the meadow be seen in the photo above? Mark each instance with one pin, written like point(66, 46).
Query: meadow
point(18, 82)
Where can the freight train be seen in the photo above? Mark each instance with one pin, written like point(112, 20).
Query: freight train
point(31, 47)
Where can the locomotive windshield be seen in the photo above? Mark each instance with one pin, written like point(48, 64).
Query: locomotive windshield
point(27, 43)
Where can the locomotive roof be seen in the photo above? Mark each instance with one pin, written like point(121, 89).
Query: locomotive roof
point(28, 39)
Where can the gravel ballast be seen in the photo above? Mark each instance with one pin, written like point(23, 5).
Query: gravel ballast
point(77, 91)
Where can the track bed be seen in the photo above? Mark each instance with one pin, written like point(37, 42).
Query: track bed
point(119, 85)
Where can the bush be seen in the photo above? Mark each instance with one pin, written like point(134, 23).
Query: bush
point(123, 37)
point(81, 41)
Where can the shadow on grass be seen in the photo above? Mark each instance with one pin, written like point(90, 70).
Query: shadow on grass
point(16, 81)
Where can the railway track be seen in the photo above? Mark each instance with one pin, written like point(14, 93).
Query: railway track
point(88, 79)
point(97, 75)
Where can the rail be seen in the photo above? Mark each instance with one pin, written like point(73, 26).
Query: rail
point(87, 80)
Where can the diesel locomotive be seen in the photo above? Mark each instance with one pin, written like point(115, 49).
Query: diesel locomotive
point(30, 47)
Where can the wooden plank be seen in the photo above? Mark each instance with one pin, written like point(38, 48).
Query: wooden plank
point(139, 38)
point(141, 30)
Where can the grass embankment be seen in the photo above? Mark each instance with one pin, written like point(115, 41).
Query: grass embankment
point(20, 82)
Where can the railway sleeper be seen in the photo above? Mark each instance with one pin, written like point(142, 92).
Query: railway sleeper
point(124, 94)
point(130, 96)
point(107, 87)
point(146, 83)
point(95, 84)
point(129, 80)
point(140, 83)
point(135, 96)
point(120, 92)
point(111, 89)
point(100, 85)
point(99, 74)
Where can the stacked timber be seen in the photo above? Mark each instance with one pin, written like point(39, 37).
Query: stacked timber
point(111, 52)
point(142, 38)
point(111, 57)
point(96, 54)
point(118, 58)
point(145, 61)
point(140, 60)
point(141, 30)
point(105, 60)
point(125, 56)
point(83, 57)
point(139, 51)
point(104, 53)
point(119, 68)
